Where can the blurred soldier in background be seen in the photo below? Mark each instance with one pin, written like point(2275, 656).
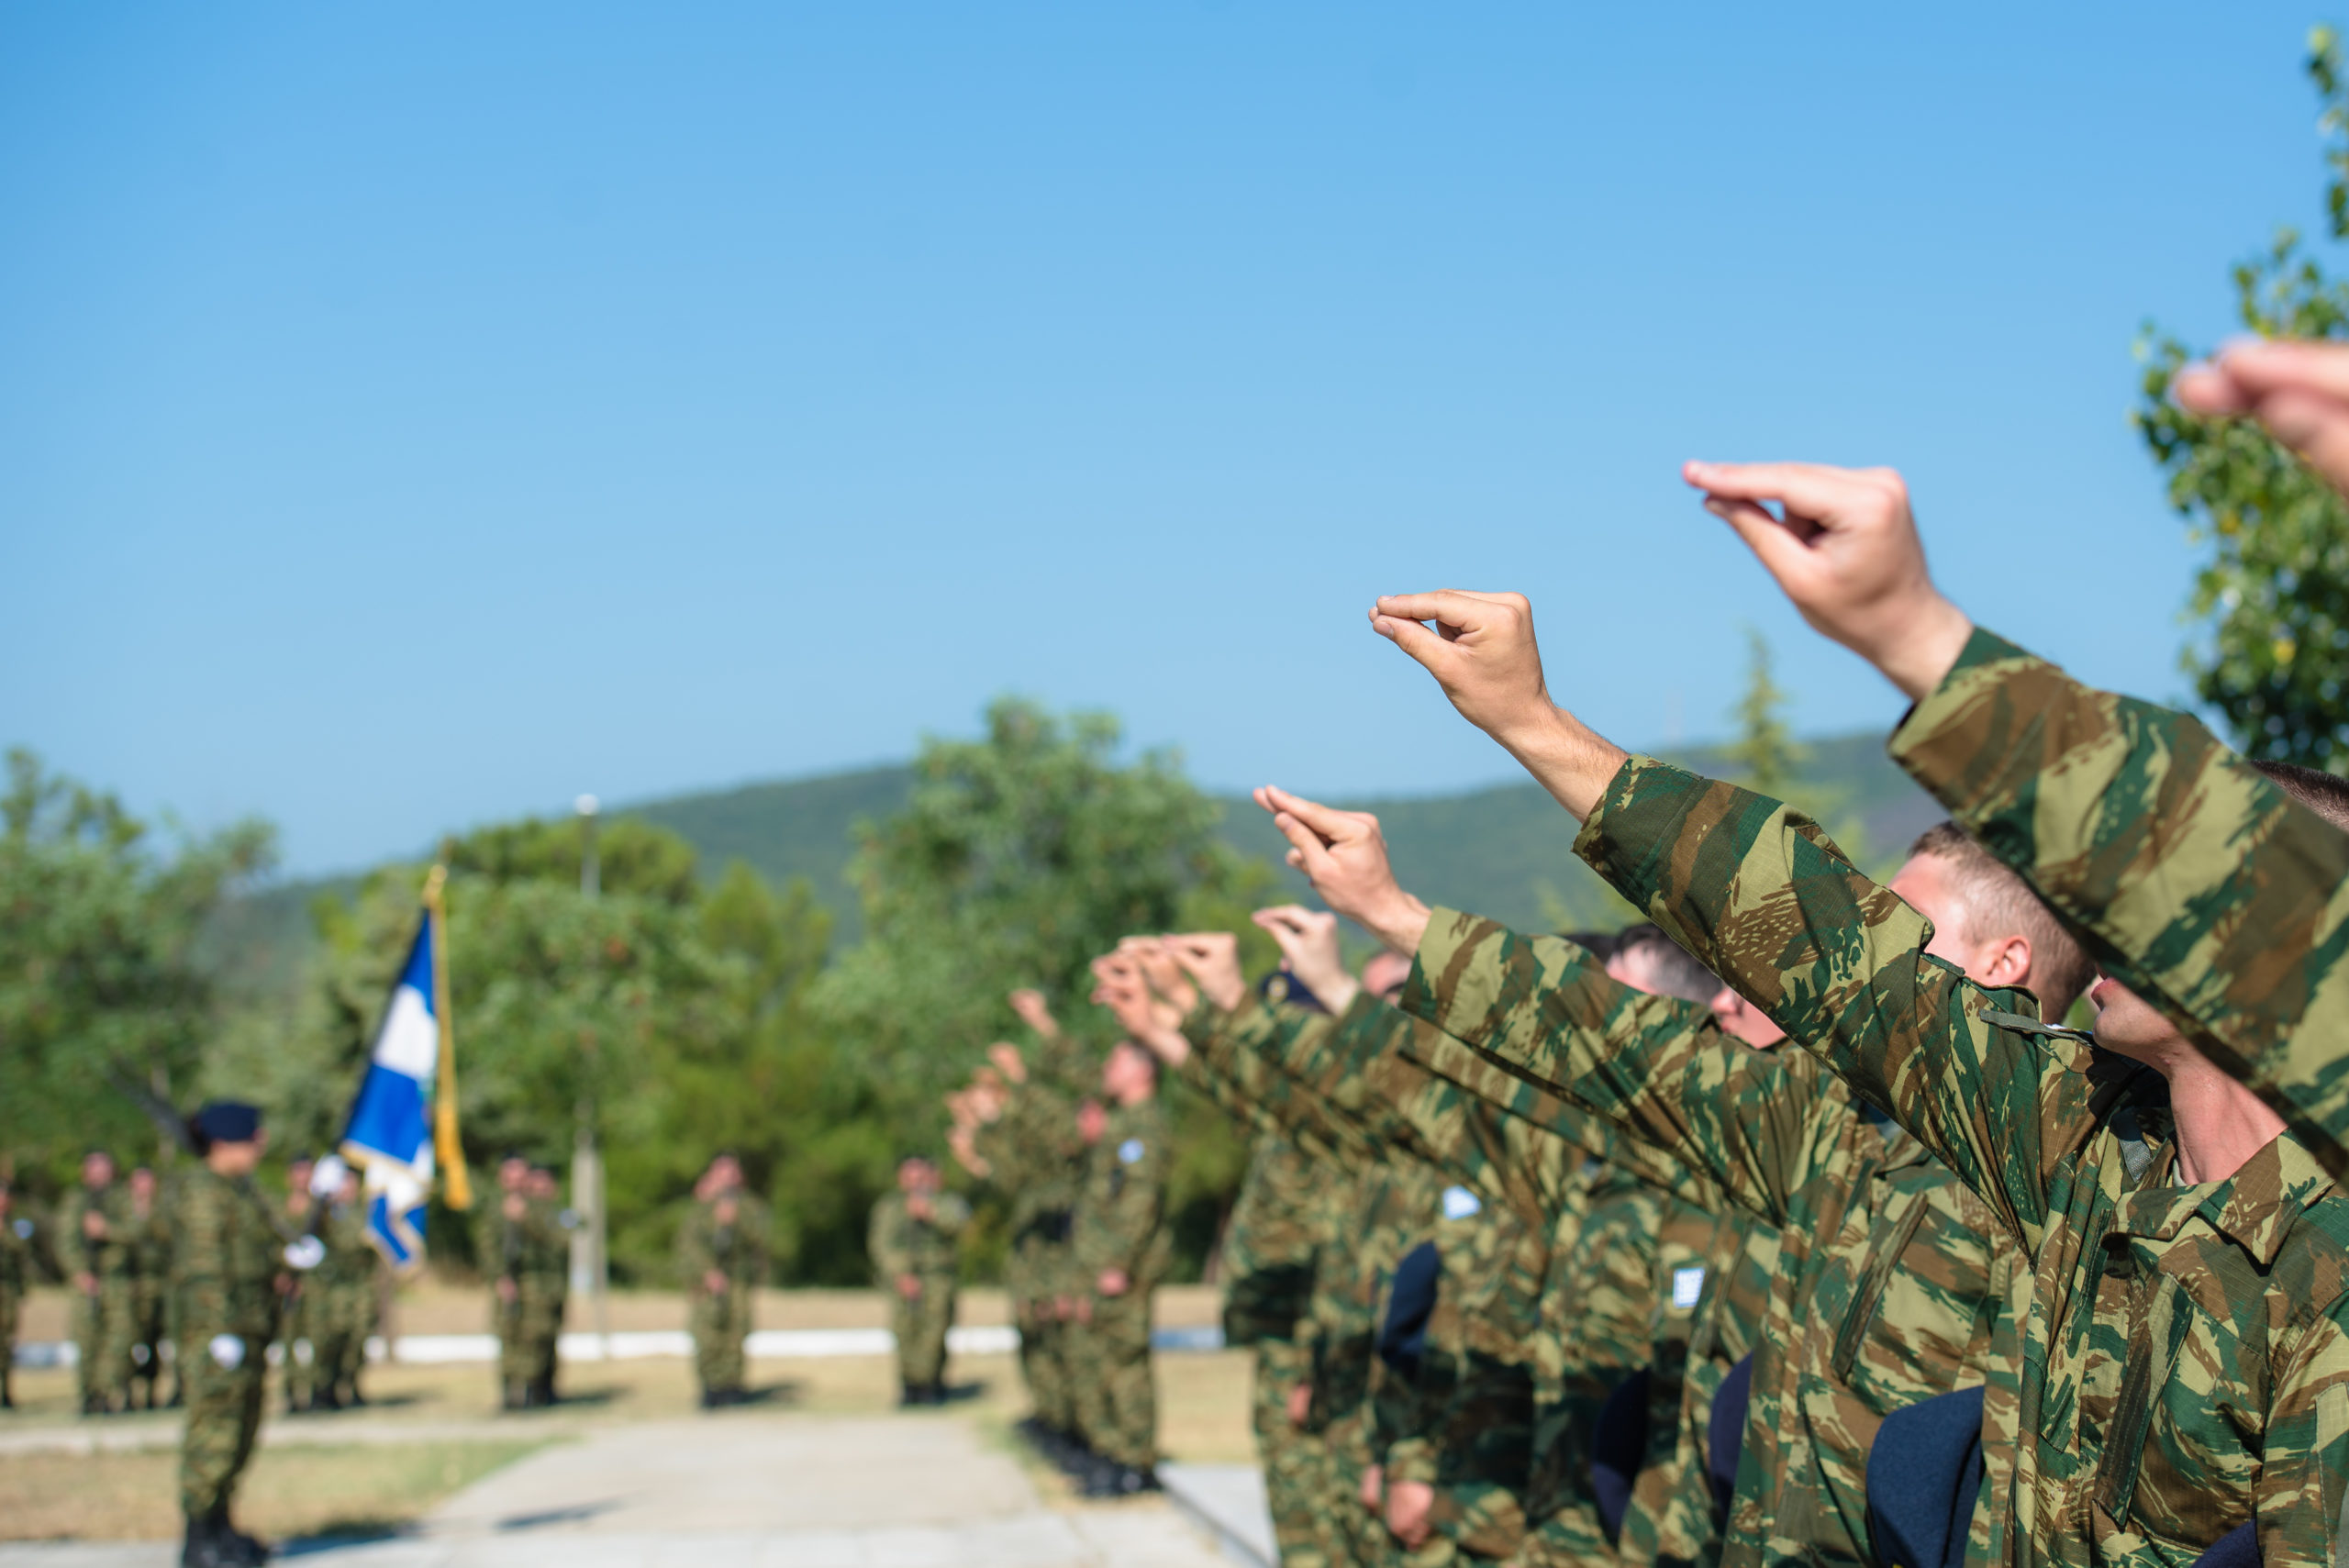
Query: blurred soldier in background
point(16, 1278)
point(913, 1241)
point(297, 1320)
point(546, 1283)
point(506, 1252)
point(1036, 1155)
point(341, 1290)
point(1119, 1248)
point(229, 1266)
point(150, 1285)
point(721, 1257)
point(94, 1233)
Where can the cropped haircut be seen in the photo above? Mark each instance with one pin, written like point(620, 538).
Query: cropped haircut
point(1999, 903)
point(1671, 970)
point(2322, 793)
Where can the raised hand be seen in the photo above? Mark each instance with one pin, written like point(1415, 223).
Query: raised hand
point(1029, 1002)
point(1008, 1062)
point(1343, 855)
point(1154, 1023)
point(1308, 940)
point(1844, 546)
point(2299, 391)
point(1481, 652)
point(1212, 961)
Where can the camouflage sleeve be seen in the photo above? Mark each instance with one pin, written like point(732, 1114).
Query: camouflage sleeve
point(2196, 882)
point(695, 1256)
point(71, 1248)
point(204, 1252)
point(1767, 901)
point(950, 1215)
point(1245, 1047)
point(1704, 1117)
point(2299, 1498)
point(886, 1243)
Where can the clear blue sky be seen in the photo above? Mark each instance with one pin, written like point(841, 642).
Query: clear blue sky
point(416, 415)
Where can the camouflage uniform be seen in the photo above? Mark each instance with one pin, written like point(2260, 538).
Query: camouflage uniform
point(1279, 1222)
point(16, 1278)
point(1627, 1249)
point(733, 1244)
point(341, 1294)
point(103, 1317)
point(546, 1292)
point(1464, 1421)
point(1120, 1223)
point(2195, 881)
point(520, 1248)
point(151, 1294)
point(224, 1267)
point(1035, 1155)
point(2183, 1369)
point(1890, 1276)
point(928, 1249)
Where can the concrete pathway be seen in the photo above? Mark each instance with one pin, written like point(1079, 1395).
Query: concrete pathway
point(746, 1492)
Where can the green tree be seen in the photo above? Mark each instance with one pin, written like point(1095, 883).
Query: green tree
point(1765, 748)
point(2272, 596)
point(1020, 858)
point(105, 998)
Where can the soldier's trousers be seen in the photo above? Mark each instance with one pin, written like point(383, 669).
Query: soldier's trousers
point(1109, 1364)
point(920, 1326)
point(1296, 1463)
point(8, 1347)
point(339, 1323)
point(223, 1414)
point(1043, 1361)
point(101, 1331)
point(148, 1335)
point(720, 1323)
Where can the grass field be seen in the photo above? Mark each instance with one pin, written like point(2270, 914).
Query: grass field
point(310, 1481)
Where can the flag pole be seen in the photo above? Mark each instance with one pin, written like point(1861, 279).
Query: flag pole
point(456, 1185)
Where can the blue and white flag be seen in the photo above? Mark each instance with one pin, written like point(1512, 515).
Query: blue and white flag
point(398, 1117)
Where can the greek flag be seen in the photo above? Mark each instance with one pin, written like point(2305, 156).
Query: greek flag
point(407, 1102)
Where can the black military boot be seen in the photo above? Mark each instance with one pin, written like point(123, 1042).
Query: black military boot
point(236, 1546)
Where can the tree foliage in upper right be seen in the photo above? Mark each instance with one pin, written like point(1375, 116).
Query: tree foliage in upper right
point(2273, 592)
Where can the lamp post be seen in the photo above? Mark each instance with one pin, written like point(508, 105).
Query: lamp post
point(587, 1261)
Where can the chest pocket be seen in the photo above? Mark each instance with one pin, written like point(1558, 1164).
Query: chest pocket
point(1868, 1295)
point(2154, 1339)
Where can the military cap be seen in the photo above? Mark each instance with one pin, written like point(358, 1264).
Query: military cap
point(228, 1121)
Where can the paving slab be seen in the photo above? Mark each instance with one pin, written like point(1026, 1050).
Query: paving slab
point(780, 1491)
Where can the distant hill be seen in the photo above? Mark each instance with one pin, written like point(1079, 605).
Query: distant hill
point(1506, 851)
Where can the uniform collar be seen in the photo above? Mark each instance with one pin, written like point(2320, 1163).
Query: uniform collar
point(2255, 1208)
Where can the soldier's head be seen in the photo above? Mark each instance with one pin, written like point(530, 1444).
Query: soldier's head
point(917, 1174)
point(1129, 1074)
point(540, 1182)
point(1643, 958)
point(725, 1174)
point(1092, 1120)
point(230, 1136)
point(142, 1184)
point(298, 1172)
point(1385, 976)
point(513, 1174)
point(97, 1168)
point(1988, 923)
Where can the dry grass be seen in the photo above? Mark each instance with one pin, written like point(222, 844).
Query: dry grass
point(370, 1490)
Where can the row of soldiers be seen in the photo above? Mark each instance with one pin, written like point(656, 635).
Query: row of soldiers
point(1078, 1144)
point(113, 1240)
point(1798, 1224)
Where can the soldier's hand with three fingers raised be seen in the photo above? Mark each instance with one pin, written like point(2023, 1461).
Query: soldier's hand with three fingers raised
point(1308, 940)
point(1212, 961)
point(1152, 1023)
point(2299, 390)
point(1844, 545)
point(1343, 855)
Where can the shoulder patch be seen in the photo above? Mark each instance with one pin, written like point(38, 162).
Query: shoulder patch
point(1131, 1151)
point(1459, 1203)
point(1688, 1286)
